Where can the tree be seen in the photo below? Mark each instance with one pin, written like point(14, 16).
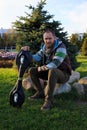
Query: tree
point(1, 42)
point(84, 47)
point(84, 37)
point(31, 28)
point(8, 39)
point(75, 41)
point(11, 37)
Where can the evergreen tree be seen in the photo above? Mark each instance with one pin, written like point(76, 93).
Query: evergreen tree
point(31, 28)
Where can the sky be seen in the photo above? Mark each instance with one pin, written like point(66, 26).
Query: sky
point(72, 14)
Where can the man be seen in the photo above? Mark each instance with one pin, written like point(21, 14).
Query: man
point(55, 67)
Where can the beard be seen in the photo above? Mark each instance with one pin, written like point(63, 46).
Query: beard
point(49, 48)
point(49, 45)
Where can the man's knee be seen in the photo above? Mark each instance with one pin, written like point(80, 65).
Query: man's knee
point(32, 70)
point(52, 72)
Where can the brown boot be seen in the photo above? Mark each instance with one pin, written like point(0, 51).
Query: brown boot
point(37, 95)
point(47, 105)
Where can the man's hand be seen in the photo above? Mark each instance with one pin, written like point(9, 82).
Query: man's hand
point(25, 48)
point(42, 68)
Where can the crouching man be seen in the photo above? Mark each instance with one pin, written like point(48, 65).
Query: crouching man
point(55, 67)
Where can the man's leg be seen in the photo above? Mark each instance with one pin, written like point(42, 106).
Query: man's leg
point(54, 76)
point(35, 75)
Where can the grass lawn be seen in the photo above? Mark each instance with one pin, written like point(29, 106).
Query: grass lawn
point(69, 111)
point(83, 65)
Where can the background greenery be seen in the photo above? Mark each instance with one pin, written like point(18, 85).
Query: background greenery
point(69, 111)
point(31, 27)
point(28, 30)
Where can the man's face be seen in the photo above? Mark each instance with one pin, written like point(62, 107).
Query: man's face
point(49, 39)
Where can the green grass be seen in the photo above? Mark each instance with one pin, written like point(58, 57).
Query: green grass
point(83, 65)
point(68, 112)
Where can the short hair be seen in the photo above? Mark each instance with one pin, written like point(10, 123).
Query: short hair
point(49, 30)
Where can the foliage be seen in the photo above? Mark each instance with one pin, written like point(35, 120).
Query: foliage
point(7, 59)
point(84, 47)
point(8, 39)
point(84, 37)
point(75, 41)
point(6, 63)
point(32, 26)
point(72, 52)
point(31, 29)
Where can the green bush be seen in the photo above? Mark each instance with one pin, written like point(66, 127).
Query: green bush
point(6, 63)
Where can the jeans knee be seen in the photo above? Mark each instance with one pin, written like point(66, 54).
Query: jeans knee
point(32, 70)
point(52, 72)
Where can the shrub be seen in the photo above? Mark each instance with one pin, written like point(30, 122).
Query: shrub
point(6, 63)
point(7, 59)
